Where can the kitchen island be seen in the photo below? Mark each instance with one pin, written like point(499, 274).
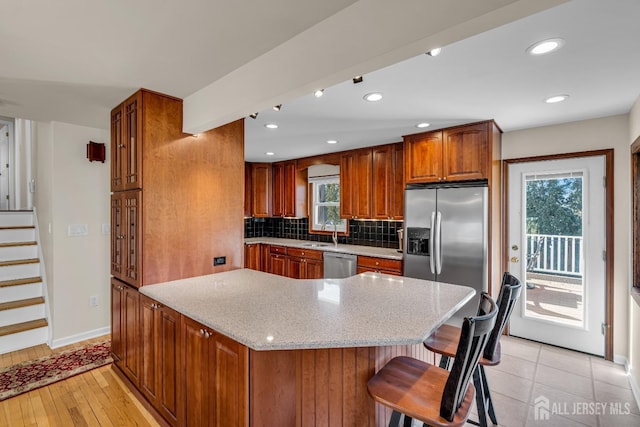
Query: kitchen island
point(299, 352)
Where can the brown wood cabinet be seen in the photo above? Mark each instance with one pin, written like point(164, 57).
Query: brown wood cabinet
point(388, 182)
point(247, 190)
point(164, 181)
point(461, 153)
point(304, 264)
point(161, 377)
point(126, 139)
point(278, 260)
point(355, 184)
point(379, 265)
point(126, 236)
point(125, 324)
point(289, 190)
point(261, 190)
point(216, 377)
point(252, 256)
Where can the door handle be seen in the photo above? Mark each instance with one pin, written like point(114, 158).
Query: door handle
point(432, 255)
point(438, 243)
point(514, 259)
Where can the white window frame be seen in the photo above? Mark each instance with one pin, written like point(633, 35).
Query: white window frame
point(315, 204)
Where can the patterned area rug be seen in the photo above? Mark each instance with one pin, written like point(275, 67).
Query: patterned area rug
point(27, 376)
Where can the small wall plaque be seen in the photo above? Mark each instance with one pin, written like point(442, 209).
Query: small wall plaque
point(95, 151)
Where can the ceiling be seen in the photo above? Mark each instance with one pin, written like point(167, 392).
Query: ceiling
point(72, 61)
point(486, 76)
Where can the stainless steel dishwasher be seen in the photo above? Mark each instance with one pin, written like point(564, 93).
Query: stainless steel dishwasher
point(339, 266)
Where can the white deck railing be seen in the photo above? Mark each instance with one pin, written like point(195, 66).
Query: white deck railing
point(554, 254)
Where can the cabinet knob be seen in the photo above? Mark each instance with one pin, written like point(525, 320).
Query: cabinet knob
point(120, 145)
point(377, 262)
point(302, 253)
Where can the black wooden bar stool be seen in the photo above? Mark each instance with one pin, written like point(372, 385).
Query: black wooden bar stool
point(444, 341)
point(431, 394)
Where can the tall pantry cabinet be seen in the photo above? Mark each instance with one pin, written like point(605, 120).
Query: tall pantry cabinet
point(176, 203)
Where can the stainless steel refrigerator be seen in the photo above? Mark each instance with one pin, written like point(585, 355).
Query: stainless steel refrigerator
point(446, 237)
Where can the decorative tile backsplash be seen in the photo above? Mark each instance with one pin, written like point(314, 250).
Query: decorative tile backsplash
point(382, 234)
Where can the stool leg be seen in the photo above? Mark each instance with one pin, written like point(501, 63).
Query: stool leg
point(394, 421)
point(407, 421)
point(480, 398)
point(444, 362)
point(487, 394)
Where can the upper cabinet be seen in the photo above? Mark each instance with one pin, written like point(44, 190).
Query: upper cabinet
point(371, 183)
point(461, 153)
point(388, 185)
point(355, 184)
point(289, 190)
point(260, 189)
point(127, 137)
point(275, 190)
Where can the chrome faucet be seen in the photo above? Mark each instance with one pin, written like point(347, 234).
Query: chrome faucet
point(334, 234)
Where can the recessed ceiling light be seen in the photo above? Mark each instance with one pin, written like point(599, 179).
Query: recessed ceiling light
point(545, 46)
point(555, 99)
point(332, 141)
point(277, 107)
point(271, 126)
point(318, 93)
point(423, 125)
point(373, 97)
point(435, 52)
point(270, 153)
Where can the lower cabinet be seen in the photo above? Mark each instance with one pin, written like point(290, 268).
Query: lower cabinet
point(125, 329)
point(252, 256)
point(216, 382)
point(379, 265)
point(191, 375)
point(160, 374)
point(304, 264)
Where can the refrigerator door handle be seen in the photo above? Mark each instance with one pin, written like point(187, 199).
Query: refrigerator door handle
point(432, 254)
point(438, 243)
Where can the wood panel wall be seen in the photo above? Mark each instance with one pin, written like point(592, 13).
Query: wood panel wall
point(323, 387)
point(193, 194)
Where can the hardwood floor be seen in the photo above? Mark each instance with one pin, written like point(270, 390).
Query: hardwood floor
point(94, 398)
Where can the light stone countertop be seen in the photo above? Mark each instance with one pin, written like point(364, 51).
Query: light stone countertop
point(268, 312)
point(345, 249)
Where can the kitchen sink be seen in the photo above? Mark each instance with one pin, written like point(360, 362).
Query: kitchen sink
point(316, 245)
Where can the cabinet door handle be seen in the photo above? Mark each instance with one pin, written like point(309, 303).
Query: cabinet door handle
point(120, 145)
point(201, 332)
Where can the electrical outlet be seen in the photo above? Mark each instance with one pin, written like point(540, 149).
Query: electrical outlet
point(219, 260)
point(93, 301)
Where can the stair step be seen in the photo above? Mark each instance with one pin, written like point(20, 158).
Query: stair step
point(10, 244)
point(21, 303)
point(17, 227)
point(21, 327)
point(17, 282)
point(19, 262)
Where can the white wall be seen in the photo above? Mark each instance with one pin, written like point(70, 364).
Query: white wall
point(634, 318)
point(596, 134)
point(72, 190)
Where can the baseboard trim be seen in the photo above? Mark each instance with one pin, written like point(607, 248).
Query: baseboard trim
point(61, 342)
point(635, 388)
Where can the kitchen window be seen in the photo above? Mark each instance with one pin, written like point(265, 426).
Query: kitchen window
point(325, 210)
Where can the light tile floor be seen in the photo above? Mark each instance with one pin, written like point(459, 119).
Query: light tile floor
point(576, 385)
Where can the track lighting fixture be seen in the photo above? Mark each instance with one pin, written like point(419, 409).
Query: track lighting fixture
point(254, 115)
point(357, 79)
point(435, 52)
point(277, 107)
point(318, 93)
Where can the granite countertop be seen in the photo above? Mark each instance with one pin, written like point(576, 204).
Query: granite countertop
point(268, 312)
point(345, 249)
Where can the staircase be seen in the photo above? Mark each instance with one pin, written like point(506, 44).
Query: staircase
point(23, 320)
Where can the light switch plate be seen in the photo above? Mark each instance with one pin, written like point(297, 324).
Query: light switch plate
point(106, 228)
point(77, 230)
